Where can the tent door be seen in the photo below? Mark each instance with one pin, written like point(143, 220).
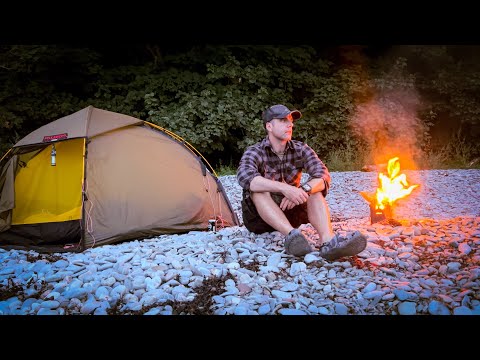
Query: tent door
point(46, 193)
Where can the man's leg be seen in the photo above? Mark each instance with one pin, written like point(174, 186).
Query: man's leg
point(270, 212)
point(319, 216)
point(272, 216)
point(332, 246)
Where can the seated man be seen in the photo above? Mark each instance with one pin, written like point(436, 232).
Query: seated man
point(273, 199)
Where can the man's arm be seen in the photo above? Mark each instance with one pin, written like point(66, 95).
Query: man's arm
point(317, 170)
point(317, 185)
point(260, 184)
point(249, 178)
point(248, 167)
point(292, 193)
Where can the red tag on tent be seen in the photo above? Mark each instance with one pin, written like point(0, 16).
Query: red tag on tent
point(55, 137)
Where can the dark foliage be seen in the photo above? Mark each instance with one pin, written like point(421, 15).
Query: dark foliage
point(352, 97)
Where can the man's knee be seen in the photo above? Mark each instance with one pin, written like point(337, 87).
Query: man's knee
point(261, 197)
point(316, 195)
point(251, 217)
point(317, 198)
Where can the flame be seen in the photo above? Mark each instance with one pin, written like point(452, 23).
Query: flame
point(392, 187)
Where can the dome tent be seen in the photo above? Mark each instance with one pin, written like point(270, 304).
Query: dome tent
point(97, 177)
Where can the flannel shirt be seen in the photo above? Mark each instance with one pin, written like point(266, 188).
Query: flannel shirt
point(260, 160)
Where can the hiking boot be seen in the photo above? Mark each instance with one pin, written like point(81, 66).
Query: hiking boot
point(341, 246)
point(296, 244)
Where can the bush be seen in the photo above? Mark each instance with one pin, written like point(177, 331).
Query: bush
point(457, 153)
point(224, 170)
point(350, 157)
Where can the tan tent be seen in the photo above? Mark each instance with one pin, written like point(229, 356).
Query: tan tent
point(97, 177)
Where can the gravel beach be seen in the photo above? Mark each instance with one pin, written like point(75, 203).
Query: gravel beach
point(426, 262)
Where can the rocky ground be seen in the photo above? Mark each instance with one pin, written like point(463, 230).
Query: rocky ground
point(425, 261)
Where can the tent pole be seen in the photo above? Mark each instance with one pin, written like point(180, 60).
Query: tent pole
point(184, 142)
point(3, 157)
point(84, 194)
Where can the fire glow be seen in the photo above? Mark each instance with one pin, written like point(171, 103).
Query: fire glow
point(392, 187)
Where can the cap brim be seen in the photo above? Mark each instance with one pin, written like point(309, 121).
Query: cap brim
point(296, 114)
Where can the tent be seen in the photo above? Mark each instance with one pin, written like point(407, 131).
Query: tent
point(97, 177)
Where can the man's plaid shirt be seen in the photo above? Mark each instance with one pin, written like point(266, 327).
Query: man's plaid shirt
point(260, 160)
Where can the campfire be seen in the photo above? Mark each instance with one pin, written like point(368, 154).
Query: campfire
point(392, 187)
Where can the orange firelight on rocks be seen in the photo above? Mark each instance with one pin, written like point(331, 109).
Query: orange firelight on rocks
point(392, 187)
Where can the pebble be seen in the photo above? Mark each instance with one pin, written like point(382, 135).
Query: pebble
point(429, 263)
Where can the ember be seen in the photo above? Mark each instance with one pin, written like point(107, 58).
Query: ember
point(392, 187)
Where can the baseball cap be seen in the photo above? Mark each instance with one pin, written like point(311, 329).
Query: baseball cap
point(279, 112)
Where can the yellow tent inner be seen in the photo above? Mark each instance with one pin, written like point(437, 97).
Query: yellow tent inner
point(46, 193)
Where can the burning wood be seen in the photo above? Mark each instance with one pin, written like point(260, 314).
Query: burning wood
point(377, 214)
point(379, 167)
point(392, 187)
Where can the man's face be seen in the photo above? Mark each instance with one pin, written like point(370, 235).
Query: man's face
point(282, 129)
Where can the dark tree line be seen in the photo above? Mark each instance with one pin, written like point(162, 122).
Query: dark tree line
point(352, 97)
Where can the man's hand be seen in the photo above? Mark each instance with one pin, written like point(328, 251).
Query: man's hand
point(295, 195)
point(286, 204)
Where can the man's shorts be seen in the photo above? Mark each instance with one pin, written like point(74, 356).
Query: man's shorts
point(253, 222)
